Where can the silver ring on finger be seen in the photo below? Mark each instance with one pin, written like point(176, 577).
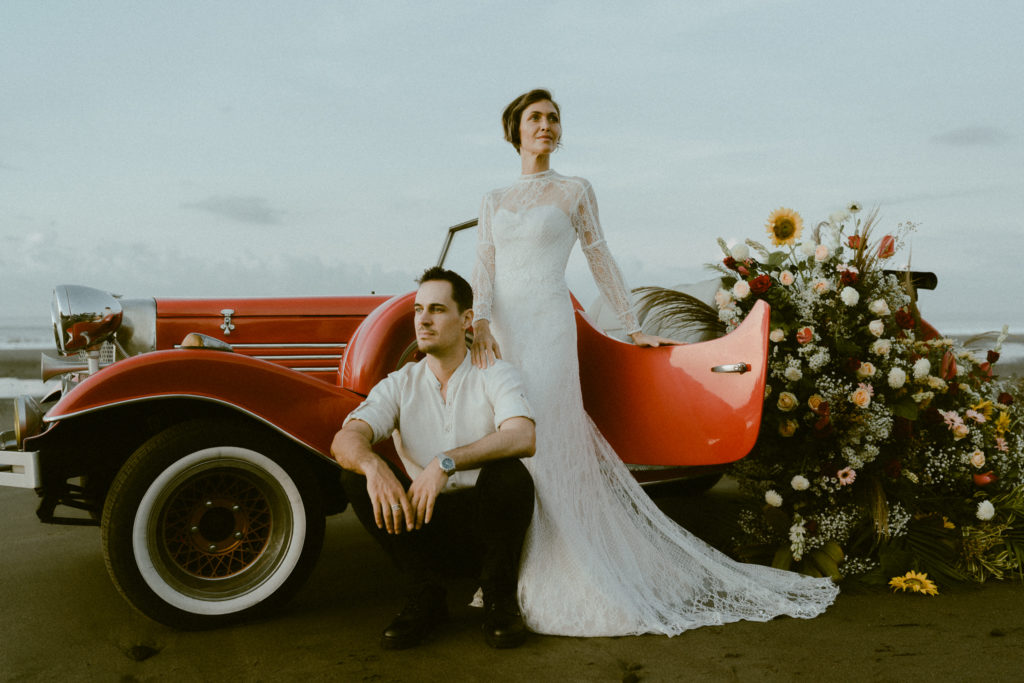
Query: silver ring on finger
point(396, 507)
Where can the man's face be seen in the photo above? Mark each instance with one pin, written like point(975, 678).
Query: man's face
point(440, 328)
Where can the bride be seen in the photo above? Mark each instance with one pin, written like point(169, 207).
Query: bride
point(600, 558)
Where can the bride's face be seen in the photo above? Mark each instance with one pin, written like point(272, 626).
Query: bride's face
point(539, 129)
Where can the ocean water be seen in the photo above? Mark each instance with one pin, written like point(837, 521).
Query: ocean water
point(25, 333)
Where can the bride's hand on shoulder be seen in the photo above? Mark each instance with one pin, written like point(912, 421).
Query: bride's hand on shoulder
point(641, 339)
point(485, 347)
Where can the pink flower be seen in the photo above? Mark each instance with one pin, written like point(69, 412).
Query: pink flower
point(846, 476)
point(974, 415)
point(786, 278)
point(805, 334)
point(1001, 445)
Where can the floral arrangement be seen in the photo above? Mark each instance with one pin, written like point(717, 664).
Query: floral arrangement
point(884, 447)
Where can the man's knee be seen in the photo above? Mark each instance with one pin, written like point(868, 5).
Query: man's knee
point(507, 482)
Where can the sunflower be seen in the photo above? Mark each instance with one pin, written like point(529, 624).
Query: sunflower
point(784, 225)
point(914, 582)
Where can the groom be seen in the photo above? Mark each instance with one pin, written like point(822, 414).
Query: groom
point(467, 501)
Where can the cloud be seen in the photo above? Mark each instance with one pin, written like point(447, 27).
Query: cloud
point(253, 210)
point(973, 136)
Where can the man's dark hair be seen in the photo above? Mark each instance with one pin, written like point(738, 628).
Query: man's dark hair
point(462, 293)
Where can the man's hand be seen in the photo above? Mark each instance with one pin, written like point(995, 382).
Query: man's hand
point(391, 507)
point(424, 492)
point(352, 448)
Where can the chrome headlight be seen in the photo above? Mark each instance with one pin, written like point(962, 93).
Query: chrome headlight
point(83, 317)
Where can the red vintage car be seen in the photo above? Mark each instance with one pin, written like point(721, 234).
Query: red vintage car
point(196, 432)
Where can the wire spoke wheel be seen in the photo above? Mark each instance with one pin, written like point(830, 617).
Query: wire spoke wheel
point(208, 522)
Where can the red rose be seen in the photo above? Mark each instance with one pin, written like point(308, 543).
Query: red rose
point(1005, 398)
point(824, 426)
point(986, 370)
point(760, 284)
point(887, 247)
point(984, 479)
point(852, 364)
point(894, 468)
point(902, 429)
point(729, 262)
point(853, 241)
point(848, 277)
point(804, 335)
point(904, 319)
point(993, 356)
point(948, 368)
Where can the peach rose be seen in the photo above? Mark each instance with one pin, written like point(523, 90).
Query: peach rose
point(786, 278)
point(861, 397)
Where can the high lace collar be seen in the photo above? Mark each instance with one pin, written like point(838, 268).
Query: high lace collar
point(538, 176)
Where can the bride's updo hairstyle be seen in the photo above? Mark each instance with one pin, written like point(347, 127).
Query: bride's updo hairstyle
point(514, 113)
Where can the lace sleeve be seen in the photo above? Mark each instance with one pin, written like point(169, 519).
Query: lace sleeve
point(603, 267)
point(482, 279)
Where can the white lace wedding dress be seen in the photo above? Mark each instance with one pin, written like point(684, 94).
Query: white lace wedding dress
point(600, 558)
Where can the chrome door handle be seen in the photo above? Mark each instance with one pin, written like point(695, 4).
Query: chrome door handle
point(734, 367)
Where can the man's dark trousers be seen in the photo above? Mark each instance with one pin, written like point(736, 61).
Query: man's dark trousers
point(477, 531)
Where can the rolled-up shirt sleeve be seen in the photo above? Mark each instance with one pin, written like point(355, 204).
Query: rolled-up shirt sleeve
point(506, 393)
point(380, 410)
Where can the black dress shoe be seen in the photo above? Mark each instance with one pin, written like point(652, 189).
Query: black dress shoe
point(503, 622)
point(421, 613)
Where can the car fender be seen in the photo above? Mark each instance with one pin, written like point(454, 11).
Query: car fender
point(306, 410)
point(378, 345)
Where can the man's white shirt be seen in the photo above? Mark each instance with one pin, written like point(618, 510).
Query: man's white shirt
point(409, 400)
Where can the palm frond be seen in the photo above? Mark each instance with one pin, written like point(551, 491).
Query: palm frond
point(678, 310)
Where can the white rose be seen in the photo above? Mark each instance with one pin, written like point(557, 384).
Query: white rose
point(807, 248)
point(866, 370)
point(800, 483)
point(741, 290)
point(793, 374)
point(777, 335)
point(879, 307)
point(921, 368)
point(772, 497)
point(876, 327)
point(978, 459)
point(897, 378)
point(986, 510)
point(850, 296)
point(740, 252)
point(881, 347)
point(821, 252)
point(723, 297)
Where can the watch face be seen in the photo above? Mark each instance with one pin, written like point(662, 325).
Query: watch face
point(448, 465)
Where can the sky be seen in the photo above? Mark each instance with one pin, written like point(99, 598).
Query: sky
point(194, 149)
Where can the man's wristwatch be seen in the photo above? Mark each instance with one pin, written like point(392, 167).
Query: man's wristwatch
point(447, 464)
